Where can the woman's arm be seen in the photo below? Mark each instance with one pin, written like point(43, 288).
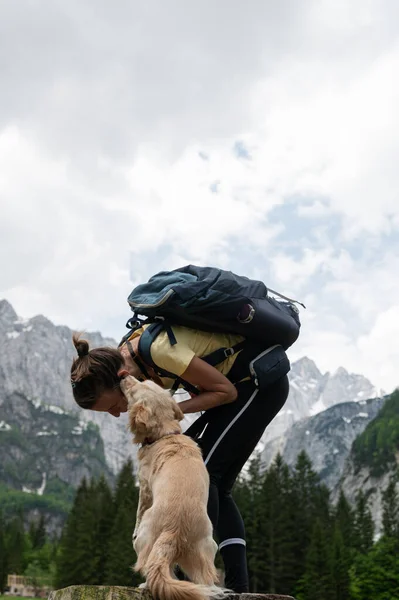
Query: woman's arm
point(216, 389)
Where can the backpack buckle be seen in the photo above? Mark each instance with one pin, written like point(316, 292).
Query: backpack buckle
point(229, 352)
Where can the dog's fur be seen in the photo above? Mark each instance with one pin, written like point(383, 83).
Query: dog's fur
point(172, 525)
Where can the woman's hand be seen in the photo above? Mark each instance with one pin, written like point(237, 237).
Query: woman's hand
point(215, 388)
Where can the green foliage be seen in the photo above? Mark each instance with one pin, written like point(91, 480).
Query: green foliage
point(41, 439)
point(298, 543)
point(3, 555)
point(363, 526)
point(75, 561)
point(278, 520)
point(96, 544)
point(390, 503)
point(37, 533)
point(14, 501)
point(377, 445)
point(279, 508)
point(17, 544)
point(120, 556)
point(39, 576)
point(375, 575)
point(317, 581)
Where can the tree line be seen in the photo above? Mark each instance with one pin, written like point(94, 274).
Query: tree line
point(298, 542)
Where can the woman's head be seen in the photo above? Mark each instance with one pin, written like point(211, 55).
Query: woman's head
point(95, 378)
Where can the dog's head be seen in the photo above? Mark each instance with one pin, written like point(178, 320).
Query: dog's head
point(153, 412)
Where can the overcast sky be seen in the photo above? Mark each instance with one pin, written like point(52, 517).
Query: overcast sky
point(258, 136)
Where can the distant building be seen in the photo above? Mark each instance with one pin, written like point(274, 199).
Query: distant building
point(18, 585)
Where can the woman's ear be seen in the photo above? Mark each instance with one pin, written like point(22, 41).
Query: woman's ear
point(123, 373)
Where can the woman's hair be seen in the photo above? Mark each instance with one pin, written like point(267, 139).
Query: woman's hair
point(93, 372)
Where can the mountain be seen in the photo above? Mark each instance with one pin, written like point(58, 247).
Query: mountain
point(42, 353)
point(327, 438)
point(44, 448)
point(312, 392)
point(45, 454)
point(374, 458)
point(35, 361)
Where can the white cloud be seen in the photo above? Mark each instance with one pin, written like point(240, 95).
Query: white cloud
point(117, 137)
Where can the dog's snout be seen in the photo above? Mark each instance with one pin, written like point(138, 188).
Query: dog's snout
point(128, 382)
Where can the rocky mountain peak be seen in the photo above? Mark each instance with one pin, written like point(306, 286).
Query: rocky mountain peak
point(36, 357)
point(7, 314)
point(305, 367)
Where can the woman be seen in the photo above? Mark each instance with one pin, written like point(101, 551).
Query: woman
point(235, 413)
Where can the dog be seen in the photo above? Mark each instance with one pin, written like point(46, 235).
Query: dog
point(172, 524)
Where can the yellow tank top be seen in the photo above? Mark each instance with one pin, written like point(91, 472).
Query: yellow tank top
point(190, 343)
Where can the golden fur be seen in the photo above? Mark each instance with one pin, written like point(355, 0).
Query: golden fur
point(172, 524)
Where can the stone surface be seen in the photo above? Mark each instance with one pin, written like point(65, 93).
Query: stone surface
point(92, 592)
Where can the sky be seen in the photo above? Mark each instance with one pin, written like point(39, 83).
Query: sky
point(259, 137)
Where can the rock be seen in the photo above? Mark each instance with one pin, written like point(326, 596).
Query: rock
point(327, 438)
point(93, 592)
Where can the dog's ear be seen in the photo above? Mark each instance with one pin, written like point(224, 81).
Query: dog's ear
point(179, 416)
point(139, 417)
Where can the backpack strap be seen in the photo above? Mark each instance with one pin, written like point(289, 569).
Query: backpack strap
point(218, 356)
point(132, 324)
point(153, 330)
point(286, 298)
point(146, 339)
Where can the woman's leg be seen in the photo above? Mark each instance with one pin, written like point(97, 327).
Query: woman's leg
point(227, 442)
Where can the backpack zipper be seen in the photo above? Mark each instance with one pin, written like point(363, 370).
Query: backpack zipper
point(159, 303)
point(251, 364)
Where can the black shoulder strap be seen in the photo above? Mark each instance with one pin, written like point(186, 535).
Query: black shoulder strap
point(146, 339)
point(218, 356)
point(133, 324)
point(153, 330)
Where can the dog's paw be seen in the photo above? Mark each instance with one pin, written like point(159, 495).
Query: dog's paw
point(143, 586)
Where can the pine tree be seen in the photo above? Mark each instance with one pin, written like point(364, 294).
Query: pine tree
point(390, 515)
point(105, 519)
point(3, 555)
point(363, 526)
point(37, 533)
point(341, 562)
point(310, 502)
point(317, 581)
point(375, 575)
point(276, 529)
point(121, 557)
point(247, 494)
point(77, 557)
point(342, 552)
point(16, 545)
point(344, 518)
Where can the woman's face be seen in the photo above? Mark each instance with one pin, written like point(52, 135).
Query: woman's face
point(112, 401)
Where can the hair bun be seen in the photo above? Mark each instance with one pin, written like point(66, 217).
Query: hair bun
point(82, 346)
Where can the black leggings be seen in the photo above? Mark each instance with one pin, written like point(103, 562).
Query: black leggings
point(228, 435)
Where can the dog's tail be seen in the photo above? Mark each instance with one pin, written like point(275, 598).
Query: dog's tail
point(160, 581)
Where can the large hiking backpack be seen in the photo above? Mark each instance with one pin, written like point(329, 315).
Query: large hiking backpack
point(214, 300)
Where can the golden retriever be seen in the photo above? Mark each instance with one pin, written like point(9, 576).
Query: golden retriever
point(172, 524)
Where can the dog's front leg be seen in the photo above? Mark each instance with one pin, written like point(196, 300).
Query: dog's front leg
point(145, 502)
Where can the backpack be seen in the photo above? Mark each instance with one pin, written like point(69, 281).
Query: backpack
point(213, 300)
